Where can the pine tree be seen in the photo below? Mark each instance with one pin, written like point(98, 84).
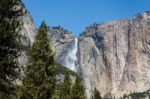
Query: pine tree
point(78, 90)
point(39, 82)
point(10, 25)
point(97, 94)
point(66, 87)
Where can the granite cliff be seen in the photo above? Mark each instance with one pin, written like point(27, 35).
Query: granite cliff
point(28, 33)
point(64, 44)
point(114, 57)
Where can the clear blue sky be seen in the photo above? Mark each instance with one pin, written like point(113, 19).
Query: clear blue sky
point(75, 15)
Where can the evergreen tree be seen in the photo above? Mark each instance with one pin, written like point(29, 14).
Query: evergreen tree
point(10, 25)
point(66, 87)
point(78, 90)
point(97, 94)
point(39, 82)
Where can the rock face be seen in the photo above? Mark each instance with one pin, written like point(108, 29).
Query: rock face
point(114, 57)
point(28, 33)
point(64, 45)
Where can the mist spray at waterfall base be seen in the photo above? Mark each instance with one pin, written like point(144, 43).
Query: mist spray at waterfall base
point(71, 56)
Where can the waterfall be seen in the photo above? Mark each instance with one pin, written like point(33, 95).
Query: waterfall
point(71, 57)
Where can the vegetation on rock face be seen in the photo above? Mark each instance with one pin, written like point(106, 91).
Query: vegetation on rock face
point(60, 28)
point(65, 92)
point(10, 25)
point(140, 95)
point(62, 70)
point(96, 94)
point(78, 90)
point(39, 81)
point(69, 89)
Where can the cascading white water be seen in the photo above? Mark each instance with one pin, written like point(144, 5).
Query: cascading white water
point(71, 56)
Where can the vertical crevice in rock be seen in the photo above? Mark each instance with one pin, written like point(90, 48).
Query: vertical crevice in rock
point(116, 50)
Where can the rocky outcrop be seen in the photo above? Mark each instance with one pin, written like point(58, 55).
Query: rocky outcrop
point(114, 57)
point(63, 43)
point(28, 33)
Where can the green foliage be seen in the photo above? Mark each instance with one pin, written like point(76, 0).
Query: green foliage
point(62, 70)
point(10, 26)
point(96, 94)
point(39, 82)
point(60, 28)
point(78, 90)
point(138, 95)
point(61, 85)
point(65, 92)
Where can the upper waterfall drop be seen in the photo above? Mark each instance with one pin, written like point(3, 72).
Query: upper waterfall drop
point(71, 57)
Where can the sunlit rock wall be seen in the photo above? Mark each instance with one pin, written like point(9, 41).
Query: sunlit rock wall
point(114, 57)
